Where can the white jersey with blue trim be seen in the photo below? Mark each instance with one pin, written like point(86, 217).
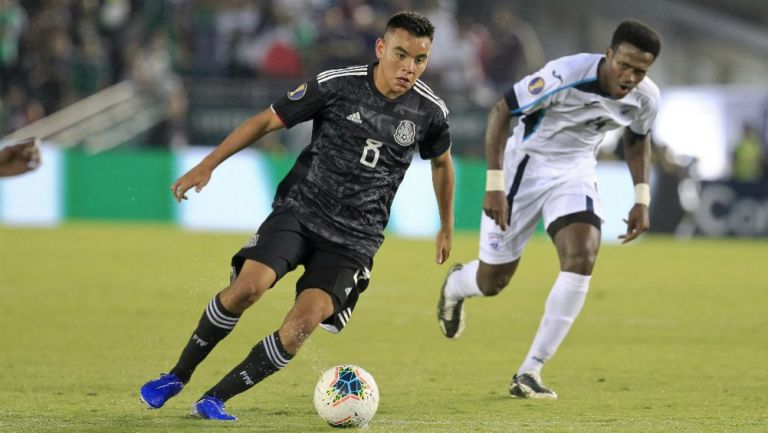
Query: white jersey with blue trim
point(565, 115)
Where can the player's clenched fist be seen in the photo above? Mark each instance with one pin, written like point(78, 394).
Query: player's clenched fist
point(20, 157)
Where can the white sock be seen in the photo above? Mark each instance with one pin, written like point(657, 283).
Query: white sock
point(563, 305)
point(463, 283)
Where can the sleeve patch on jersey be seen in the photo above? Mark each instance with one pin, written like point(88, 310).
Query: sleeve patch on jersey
point(536, 85)
point(297, 93)
point(405, 133)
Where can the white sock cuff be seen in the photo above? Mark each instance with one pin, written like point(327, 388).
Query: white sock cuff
point(574, 281)
point(463, 283)
point(468, 276)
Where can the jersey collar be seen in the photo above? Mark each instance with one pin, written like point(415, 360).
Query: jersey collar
point(593, 86)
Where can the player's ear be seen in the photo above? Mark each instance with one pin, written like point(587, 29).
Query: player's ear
point(379, 48)
point(608, 53)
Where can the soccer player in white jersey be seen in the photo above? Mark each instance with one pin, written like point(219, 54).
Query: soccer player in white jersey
point(546, 170)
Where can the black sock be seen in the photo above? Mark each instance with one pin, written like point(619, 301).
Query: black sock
point(267, 357)
point(215, 324)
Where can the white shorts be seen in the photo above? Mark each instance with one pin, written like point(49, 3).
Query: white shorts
point(537, 189)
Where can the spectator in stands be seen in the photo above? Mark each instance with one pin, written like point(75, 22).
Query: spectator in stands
point(152, 69)
point(748, 157)
point(515, 51)
point(91, 70)
point(339, 43)
point(19, 109)
point(13, 19)
point(114, 23)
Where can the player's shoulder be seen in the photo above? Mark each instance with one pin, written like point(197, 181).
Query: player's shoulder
point(575, 67)
point(649, 90)
point(343, 74)
point(433, 101)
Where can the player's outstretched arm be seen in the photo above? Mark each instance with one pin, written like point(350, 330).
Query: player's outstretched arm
point(637, 151)
point(443, 182)
point(496, 132)
point(245, 134)
point(20, 157)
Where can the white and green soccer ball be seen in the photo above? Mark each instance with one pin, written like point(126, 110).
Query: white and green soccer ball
point(346, 396)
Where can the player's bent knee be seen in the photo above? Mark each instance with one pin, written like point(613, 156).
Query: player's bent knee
point(579, 263)
point(253, 280)
point(492, 286)
point(248, 291)
point(311, 307)
point(493, 278)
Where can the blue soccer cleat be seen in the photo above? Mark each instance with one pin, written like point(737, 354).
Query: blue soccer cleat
point(211, 408)
point(156, 392)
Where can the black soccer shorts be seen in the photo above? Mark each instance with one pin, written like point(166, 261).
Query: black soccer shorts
point(283, 243)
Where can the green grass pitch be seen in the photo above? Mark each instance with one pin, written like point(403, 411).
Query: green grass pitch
point(673, 338)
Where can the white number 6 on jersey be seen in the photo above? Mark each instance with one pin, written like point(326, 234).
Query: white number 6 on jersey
point(371, 148)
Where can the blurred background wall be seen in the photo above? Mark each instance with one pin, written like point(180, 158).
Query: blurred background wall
point(129, 93)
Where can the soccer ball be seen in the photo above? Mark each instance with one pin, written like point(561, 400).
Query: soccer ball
point(346, 396)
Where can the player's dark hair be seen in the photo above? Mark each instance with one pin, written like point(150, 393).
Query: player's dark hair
point(639, 34)
point(412, 22)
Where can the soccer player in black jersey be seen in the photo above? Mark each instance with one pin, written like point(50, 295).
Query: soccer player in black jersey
point(330, 211)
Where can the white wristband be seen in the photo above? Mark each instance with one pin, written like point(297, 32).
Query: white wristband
point(494, 180)
point(643, 194)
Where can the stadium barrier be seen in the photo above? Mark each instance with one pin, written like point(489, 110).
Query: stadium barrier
point(133, 185)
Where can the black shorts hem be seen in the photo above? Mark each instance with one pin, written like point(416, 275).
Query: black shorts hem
point(280, 266)
point(586, 216)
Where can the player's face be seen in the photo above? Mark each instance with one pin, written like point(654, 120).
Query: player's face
point(402, 59)
point(624, 68)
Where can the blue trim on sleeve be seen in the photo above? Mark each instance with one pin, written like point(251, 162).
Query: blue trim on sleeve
point(511, 97)
point(536, 117)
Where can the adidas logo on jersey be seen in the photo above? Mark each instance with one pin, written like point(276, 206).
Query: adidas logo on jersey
point(355, 117)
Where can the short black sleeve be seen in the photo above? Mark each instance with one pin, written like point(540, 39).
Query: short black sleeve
point(300, 104)
point(437, 141)
point(511, 97)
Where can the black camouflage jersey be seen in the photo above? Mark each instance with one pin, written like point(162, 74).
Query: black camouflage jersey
point(344, 181)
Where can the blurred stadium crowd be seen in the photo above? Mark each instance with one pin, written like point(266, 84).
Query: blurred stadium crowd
point(55, 52)
point(212, 63)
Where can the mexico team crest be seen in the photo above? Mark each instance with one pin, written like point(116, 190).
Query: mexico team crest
point(297, 93)
point(405, 133)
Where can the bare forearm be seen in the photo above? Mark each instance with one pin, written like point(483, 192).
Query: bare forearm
point(496, 132)
point(637, 152)
point(443, 182)
point(248, 132)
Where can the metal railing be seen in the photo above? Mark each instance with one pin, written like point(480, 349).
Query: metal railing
point(99, 122)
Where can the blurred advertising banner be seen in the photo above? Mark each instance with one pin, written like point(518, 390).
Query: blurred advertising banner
point(706, 123)
point(732, 209)
point(132, 185)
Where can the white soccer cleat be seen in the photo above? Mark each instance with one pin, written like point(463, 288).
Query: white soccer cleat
point(450, 314)
point(528, 385)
